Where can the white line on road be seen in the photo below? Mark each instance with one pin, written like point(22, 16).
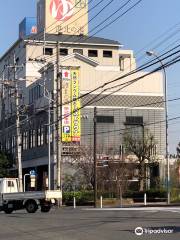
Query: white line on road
point(145, 209)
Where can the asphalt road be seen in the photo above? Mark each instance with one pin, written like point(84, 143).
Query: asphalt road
point(89, 224)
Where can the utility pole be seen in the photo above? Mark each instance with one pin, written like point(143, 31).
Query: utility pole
point(18, 135)
point(152, 53)
point(3, 113)
point(49, 143)
point(95, 158)
point(50, 100)
point(58, 121)
point(14, 67)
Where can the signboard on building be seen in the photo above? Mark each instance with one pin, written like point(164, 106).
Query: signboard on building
point(66, 105)
point(71, 114)
point(63, 16)
point(76, 116)
point(27, 27)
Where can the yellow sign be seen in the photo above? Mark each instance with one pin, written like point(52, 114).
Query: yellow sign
point(63, 16)
point(66, 106)
point(75, 107)
point(71, 113)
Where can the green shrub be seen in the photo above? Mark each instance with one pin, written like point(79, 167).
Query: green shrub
point(175, 195)
point(82, 197)
point(152, 195)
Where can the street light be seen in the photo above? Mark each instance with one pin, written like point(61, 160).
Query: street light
point(47, 95)
point(152, 53)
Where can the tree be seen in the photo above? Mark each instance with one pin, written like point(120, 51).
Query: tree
point(5, 165)
point(84, 164)
point(178, 150)
point(142, 146)
point(115, 177)
point(112, 174)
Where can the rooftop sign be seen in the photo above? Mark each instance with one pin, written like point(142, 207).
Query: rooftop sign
point(63, 16)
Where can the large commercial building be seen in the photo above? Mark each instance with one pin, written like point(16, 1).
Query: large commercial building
point(86, 67)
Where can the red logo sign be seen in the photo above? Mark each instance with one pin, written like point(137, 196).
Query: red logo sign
point(34, 29)
point(61, 10)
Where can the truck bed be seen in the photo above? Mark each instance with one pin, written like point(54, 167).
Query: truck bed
point(54, 194)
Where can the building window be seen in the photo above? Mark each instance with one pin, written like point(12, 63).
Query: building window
point(107, 54)
point(24, 140)
point(63, 51)
point(17, 60)
point(92, 53)
point(48, 51)
point(40, 136)
point(134, 120)
point(13, 144)
point(134, 126)
point(30, 96)
point(32, 138)
point(78, 50)
point(105, 119)
point(121, 63)
point(35, 93)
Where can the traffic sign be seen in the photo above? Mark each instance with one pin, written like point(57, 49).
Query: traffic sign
point(32, 173)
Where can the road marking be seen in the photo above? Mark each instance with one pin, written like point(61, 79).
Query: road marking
point(145, 209)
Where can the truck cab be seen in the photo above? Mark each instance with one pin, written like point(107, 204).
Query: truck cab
point(9, 185)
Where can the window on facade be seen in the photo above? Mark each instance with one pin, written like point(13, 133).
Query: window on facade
point(80, 51)
point(134, 126)
point(35, 93)
point(24, 140)
point(63, 51)
point(92, 53)
point(48, 51)
point(17, 60)
point(13, 144)
point(134, 120)
point(32, 138)
point(105, 119)
point(40, 136)
point(121, 63)
point(30, 96)
point(107, 54)
point(8, 143)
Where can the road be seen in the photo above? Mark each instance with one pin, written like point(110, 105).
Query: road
point(89, 224)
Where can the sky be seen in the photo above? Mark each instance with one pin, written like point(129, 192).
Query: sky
point(151, 25)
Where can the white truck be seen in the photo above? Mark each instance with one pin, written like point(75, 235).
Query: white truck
point(12, 199)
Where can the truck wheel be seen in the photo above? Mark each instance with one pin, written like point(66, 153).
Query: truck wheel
point(45, 208)
point(8, 210)
point(31, 206)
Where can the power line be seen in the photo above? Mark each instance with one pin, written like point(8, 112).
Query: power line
point(73, 15)
point(137, 126)
point(131, 82)
point(84, 39)
point(128, 83)
point(144, 66)
point(92, 8)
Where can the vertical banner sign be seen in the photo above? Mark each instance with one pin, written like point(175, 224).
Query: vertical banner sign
point(66, 106)
point(75, 107)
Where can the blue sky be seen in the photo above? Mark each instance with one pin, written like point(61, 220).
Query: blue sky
point(147, 21)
